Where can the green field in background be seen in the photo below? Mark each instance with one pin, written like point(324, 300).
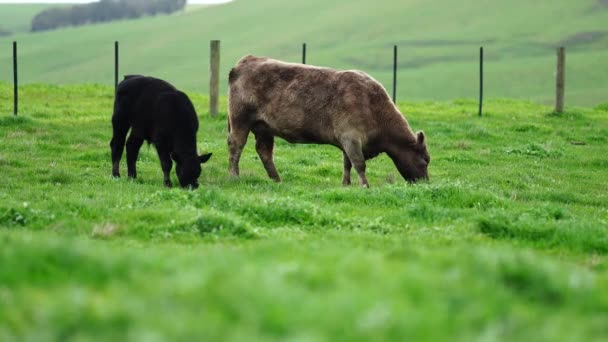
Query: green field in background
point(438, 45)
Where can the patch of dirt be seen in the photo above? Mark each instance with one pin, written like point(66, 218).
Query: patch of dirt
point(105, 231)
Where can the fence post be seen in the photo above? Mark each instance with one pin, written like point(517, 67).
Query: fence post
point(115, 66)
point(560, 82)
point(15, 81)
point(480, 81)
point(304, 53)
point(214, 81)
point(395, 74)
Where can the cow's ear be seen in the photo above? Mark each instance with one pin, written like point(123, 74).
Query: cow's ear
point(205, 157)
point(420, 138)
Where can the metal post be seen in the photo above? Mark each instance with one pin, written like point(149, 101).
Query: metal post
point(560, 81)
point(15, 81)
point(480, 81)
point(115, 66)
point(395, 74)
point(304, 53)
point(214, 81)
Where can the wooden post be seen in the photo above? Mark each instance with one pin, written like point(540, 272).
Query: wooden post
point(214, 81)
point(560, 81)
point(15, 81)
point(480, 81)
point(395, 74)
point(304, 53)
point(115, 66)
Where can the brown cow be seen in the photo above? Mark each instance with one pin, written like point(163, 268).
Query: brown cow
point(308, 104)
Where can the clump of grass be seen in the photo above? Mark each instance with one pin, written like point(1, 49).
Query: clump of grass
point(59, 177)
point(527, 128)
point(568, 114)
point(537, 151)
point(213, 223)
point(21, 122)
point(602, 107)
point(552, 231)
point(13, 217)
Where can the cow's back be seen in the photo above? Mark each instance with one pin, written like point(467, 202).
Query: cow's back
point(304, 103)
point(135, 92)
point(154, 108)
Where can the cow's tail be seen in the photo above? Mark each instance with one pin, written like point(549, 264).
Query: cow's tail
point(233, 75)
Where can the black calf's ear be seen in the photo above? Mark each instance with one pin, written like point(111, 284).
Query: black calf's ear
point(205, 157)
point(420, 137)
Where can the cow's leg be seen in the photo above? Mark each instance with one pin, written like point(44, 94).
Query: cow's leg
point(347, 166)
point(352, 148)
point(264, 145)
point(133, 145)
point(120, 128)
point(237, 138)
point(165, 163)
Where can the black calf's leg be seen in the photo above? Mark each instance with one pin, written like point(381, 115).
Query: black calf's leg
point(117, 144)
point(165, 163)
point(133, 145)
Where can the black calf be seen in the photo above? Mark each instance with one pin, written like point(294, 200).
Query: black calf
point(158, 113)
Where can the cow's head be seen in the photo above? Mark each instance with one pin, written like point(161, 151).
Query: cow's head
point(189, 169)
point(412, 160)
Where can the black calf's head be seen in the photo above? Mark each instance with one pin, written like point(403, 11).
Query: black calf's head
point(189, 169)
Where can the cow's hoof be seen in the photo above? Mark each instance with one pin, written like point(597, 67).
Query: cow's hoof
point(168, 184)
point(115, 175)
point(346, 182)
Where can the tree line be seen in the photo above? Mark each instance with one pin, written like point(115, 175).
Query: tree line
point(102, 11)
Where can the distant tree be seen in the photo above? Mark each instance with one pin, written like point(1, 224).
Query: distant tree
point(102, 11)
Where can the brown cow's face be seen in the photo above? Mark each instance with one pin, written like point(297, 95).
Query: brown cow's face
point(189, 170)
point(413, 161)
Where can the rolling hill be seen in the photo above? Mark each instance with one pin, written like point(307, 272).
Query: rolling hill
point(438, 43)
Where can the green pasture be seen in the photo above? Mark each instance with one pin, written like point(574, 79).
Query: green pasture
point(508, 240)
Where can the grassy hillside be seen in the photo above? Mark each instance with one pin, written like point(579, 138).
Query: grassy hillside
point(438, 43)
point(17, 18)
point(506, 242)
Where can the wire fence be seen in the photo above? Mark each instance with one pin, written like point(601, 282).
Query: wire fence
point(398, 71)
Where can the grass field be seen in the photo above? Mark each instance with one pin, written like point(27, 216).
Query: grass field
point(438, 43)
point(508, 241)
